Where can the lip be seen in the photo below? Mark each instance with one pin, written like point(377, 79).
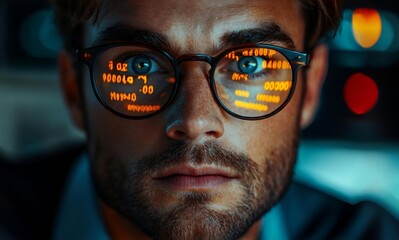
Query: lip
point(193, 178)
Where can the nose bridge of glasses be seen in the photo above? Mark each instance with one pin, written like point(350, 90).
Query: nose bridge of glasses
point(195, 57)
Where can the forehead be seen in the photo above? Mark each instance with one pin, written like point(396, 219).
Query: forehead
point(197, 25)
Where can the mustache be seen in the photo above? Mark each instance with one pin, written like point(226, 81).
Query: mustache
point(195, 154)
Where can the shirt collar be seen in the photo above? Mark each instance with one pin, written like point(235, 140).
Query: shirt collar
point(79, 215)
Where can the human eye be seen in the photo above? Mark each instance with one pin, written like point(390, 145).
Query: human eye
point(250, 65)
point(250, 68)
point(142, 63)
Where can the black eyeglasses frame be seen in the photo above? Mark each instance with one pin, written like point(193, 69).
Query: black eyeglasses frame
point(89, 56)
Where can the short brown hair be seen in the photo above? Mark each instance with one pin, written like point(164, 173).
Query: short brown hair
point(322, 18)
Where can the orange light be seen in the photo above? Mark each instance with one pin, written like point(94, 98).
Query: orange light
point(142, 108)
point(239, 77)
point(268, 98)
point(366, 26)
point(171, 80)
point(360, 93)
point(251, 106)
point(278, 86)
point(144, 78)
point(116, 96)
point(242, 93)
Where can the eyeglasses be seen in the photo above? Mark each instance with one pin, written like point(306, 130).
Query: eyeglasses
point(138, 81)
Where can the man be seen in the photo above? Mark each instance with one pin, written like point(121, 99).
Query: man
point(192, 111)
point(173, 151)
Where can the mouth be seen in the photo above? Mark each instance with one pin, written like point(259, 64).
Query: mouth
point(187, 177)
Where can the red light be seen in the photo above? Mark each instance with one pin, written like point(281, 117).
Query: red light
point(360, 93)
point(86, 55)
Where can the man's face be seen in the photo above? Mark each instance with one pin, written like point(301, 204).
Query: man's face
point(194, 171)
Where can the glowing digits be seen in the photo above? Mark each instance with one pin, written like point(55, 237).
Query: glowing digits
point(119, 79)
point(147, 89)
point(232, 55)
point(242, 93)
point(143, 77)
point(277, 86)
point(142, 108)
point(121, 67)
point(268, 98)
point(273, 64)
point(259, 52)
point(251, 106)
point(239, 77)
point(121, 97)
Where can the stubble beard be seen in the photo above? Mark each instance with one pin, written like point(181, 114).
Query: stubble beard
point(123, 185)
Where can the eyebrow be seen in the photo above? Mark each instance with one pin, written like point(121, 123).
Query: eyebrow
point(123, 33)
point(267, 33)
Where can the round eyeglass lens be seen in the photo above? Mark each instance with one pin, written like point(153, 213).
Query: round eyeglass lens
point(134, 81)
point(253, 82)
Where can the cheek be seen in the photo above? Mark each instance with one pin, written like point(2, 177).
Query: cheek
point(124, 138)
point(267, 137)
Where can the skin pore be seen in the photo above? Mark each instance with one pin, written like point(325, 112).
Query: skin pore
point(132, 160)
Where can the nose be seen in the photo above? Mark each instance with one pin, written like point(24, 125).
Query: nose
point(194, 115)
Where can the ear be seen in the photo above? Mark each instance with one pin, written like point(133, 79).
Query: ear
point(315, 75)
point(70, 87)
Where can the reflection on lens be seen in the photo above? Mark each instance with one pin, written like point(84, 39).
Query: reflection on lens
point(253, 82)
point(247, 64)
point(134, 81)
point(141, 65)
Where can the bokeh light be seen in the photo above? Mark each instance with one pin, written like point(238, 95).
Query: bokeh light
point(349, 46)
point(366, 26)
point(360, 93)
point(38, 35)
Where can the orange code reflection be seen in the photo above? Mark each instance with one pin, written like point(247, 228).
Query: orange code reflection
point(143, 77)
point(268, 98)
point(273, 64)
point(232, 56)
point(259, 52)
point(120, 97)
point(251, 106)
point(147, 89)
point(239, 76)
point(242, 93)
point(278, 86)
point(116, 78)
point(142, 108)
point(120, 66)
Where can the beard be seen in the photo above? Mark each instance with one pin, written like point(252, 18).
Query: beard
point(126, 186)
